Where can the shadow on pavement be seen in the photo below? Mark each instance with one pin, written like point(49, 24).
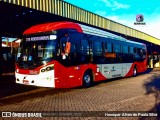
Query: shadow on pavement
point(8, 66)
point(30, 95)
point(152, 86)
point(148, 70)
point(8, 88)
point(12, 93)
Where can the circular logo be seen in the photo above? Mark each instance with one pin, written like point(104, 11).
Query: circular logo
point(139, 18)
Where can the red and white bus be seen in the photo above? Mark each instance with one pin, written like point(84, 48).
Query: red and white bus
point(67, 54)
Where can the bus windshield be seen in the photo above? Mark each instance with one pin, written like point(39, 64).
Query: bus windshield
point(34, 51)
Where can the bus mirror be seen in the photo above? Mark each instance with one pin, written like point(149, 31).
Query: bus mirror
point(67, 48)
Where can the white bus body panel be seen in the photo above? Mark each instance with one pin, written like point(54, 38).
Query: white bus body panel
point(114, 70)
point(45, 79)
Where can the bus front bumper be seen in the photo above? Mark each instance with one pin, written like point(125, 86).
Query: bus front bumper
point(43, 79)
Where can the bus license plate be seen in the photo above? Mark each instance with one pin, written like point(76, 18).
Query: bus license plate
point(25, 81)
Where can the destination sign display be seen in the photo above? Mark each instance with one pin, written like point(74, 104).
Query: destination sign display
point(38, 38)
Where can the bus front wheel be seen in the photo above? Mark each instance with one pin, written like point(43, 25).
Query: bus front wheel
point(87, 79)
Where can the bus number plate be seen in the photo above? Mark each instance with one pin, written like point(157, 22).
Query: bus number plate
point(25, 81)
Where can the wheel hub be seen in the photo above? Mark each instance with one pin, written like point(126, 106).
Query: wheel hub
point(87, 78)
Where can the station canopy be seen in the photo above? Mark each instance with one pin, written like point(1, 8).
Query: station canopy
point(14, 19)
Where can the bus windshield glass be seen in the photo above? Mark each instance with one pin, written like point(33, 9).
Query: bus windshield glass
point(37, 50)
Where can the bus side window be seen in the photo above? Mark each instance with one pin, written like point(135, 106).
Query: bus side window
point(98, 52)
point(84, 47)
point(118, 57)
point(65, 46)
point(130, 54)
point(85, 51)
point(97, 48)
point(140, 53)
point(144, 53)
point(63, 41)
point(131, 50)
point(125, 53)
point(109, 52)
point(137, 54)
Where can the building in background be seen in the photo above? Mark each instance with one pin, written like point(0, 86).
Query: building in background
point(9, 50)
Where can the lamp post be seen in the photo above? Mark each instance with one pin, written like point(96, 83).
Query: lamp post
point(11, 47)
point(1, 57)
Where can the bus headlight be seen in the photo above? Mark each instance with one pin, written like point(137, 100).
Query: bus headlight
point(42, 70)
point(47, 68)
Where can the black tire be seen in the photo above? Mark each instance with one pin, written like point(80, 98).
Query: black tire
point(87, 79)
point(134, 71)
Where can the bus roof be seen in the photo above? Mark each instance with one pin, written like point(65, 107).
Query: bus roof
point(102, 33)
point(46, 27)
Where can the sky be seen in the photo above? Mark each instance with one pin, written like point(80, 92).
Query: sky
point(125, 11)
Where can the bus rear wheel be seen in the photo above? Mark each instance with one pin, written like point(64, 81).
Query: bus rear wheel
point(134, 71)
point(87, 79)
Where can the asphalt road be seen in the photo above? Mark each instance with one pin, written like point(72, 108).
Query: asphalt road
point(104, 100)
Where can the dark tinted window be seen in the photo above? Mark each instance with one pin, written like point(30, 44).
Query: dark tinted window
point(117, 48)
point(97, 48)
point(125, 49)
point(109, 47)
point(131, 50)
point(85, 47)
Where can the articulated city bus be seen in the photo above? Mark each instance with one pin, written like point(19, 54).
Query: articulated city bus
point(67, 54)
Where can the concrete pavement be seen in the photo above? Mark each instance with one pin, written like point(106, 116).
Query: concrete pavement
point(136, 94)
